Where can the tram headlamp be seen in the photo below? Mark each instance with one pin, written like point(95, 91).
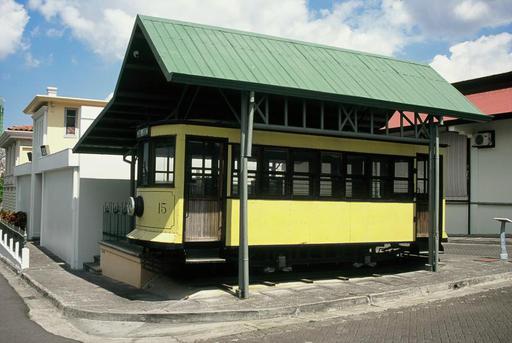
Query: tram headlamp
point(135, 206)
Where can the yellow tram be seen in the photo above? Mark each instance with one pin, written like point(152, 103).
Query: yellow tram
point(327, 179)
point(309, 196)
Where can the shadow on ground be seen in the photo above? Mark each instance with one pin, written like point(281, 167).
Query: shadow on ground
point(190, 280)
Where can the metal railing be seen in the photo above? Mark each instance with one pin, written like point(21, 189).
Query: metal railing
point(13, 247)
point(117, 223)
point(17, 234)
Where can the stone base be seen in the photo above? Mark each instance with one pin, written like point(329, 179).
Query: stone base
point(123, 264)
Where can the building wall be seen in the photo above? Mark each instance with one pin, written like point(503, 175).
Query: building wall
point(56, 138)
point(94, 193)
point(23, 193)
point(491, 186)
point(57, 214)
point(9, 198)
point(24, 147)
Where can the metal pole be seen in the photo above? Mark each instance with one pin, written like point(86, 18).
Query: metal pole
point(132, 175)
point(433, 237)
point(503, 240)
point(246, 121)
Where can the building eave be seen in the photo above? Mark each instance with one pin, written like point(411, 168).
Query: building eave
point(41, 100)
point(8, 136)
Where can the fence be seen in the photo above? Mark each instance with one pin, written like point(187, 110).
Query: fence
point(12, 245)
point(116, 221)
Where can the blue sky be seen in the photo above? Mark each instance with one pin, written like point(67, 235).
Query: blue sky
point(77, 45)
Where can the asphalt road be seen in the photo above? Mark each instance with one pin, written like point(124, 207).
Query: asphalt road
point(482, 317)
point(15, 325)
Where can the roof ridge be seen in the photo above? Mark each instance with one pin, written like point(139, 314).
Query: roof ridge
point(277, 38)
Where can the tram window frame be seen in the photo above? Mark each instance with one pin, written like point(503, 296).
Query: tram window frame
point(251, 173)
point(334, 176)
point(362, 178)
point(338, 175)
point(310, 176)
point(268, 176)
point(152, 144)
point(409, 194)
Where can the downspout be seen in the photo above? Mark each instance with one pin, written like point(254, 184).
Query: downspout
point(468, 180)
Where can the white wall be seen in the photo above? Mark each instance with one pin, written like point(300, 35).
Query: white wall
point(491, 184)
point(104, 167)
point(456, 218)
point(23, 193)
point(34, 220)
point(93, 194)
point(57, 214)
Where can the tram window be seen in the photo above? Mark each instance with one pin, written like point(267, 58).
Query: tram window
point(356, 182)
point(330, 175)
point(164, 163)
point(422, 177)
point(274, 172)
point(381, 178)
point(402, 180)
point(252, 169)
point(144, 164)
point(155, 163)
point(303, 173)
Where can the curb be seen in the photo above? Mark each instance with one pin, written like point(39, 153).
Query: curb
point(265, 313)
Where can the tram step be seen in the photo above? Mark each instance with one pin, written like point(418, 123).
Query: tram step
point(198, 260)
point(203, 255)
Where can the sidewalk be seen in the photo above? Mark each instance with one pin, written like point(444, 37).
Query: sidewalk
point(82, 295)
point(479, 240)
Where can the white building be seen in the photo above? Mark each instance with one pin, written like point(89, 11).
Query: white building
point(63, 193)
point(479, 163)
point(17, 143)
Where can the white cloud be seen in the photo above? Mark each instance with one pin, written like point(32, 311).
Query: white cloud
point(54, 33)
point(105, 25)
point(31, 61)
point(452, 20)
point(486, 55)
point(13, 18)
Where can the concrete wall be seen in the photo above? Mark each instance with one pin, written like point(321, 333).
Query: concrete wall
point(23, 193)
point(36, 203)
point(491, 184)
point(57, 214)
point(93, 195)
point(456, 218)
point(9, 198)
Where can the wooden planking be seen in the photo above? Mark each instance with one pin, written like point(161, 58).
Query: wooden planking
point(203, 221)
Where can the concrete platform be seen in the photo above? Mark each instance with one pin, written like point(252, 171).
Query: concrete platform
point(88, 296)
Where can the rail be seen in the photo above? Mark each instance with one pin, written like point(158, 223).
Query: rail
point(13, 242)
point(117, 223)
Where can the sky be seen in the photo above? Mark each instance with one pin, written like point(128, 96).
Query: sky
point(78, 45)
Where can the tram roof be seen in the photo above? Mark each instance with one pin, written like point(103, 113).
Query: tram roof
point(185, 53)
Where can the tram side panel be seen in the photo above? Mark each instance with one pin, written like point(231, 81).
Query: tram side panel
point(284, 222)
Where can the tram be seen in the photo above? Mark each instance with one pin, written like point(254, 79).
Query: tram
point(311, 198)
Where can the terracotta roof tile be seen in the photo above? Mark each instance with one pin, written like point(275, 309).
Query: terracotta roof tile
point(20, 128)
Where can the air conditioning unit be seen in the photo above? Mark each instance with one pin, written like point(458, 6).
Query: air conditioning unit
point(484, 139)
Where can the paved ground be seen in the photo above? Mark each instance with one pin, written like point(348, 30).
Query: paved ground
point(80, 293)
point(471, 315)
point(475, 249)
point(482, 317)
point(15, 325)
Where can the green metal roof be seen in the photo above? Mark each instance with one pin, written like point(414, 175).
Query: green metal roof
point(212, 56)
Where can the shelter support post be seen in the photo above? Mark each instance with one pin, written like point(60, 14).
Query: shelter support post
point(433, 197)
point(132, 174)
point(246, 123)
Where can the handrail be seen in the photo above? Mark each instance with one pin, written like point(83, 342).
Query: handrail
point(14, 231)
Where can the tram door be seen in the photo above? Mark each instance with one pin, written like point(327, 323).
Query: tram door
point(422, 189)
point(204, 189)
